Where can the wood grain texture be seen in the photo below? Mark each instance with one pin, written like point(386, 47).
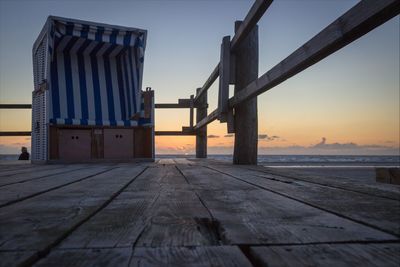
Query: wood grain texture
point(379, 212)
point(16, 192)
point(201, 133)
point(250, 215)
point(210, 118)
point(87, 257)
point(165, 256)
point(6, 171)
point(194, 212)
point(43, 221)
point(155, 215)
point(10, 258)
point(224, 77)
point(245, 119)
point(193, 256)
point(327, 179)
point(38, 173)
point(328, 255)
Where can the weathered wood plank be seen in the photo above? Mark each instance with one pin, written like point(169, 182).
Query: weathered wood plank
point(182, 161)
point(203, 178)
point(328, 255)
point(174, 213)
point(359, 20)
point(10, 258)
point(373, 189)
point(42, 222)
point(256, 216)
point(13, 193)
point(196, 256)
point(26, 169)
point(38, 173)
point(9, 165)
point(378, 212)
point(160, 215)
point(163, 256)
point(165, 161)
point(87, 257)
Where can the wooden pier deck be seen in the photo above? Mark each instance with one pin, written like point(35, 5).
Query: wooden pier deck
point(182, 212)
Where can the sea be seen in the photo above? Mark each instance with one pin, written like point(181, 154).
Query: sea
point(294, 160)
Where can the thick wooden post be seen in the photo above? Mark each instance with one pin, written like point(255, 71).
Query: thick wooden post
point(201, 134)
point(246, 121)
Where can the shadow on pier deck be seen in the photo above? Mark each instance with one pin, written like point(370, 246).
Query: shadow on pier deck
point(190, 212)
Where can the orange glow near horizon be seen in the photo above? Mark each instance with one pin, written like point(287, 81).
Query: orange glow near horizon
point(284, 127)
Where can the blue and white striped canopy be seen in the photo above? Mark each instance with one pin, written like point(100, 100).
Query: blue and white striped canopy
point(95, 73)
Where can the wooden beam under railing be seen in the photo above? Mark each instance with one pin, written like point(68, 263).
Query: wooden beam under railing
point(15, 106)
point(173, 133)
point(210, 118)
point(213, 76)
point(165, 133)
point(15, 133)
point(183, 103)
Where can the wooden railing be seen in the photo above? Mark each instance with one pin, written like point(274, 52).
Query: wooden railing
point(237, 110)
point(182, 103)
point(359, 20)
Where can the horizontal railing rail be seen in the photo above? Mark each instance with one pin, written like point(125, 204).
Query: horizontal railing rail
point(15, 106)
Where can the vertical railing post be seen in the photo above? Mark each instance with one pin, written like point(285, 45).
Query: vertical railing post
point(191, 111)
point(246, 121)
point(201, 134)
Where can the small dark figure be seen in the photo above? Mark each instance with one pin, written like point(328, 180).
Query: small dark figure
point(24, 155)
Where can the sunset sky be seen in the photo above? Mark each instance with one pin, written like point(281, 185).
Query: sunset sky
point(346, 104)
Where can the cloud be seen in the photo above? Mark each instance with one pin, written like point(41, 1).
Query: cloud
point(324, 145)
point(325, 148)
point(229, 135)
point(262, 136)
point(266, 137)
point(213, 136)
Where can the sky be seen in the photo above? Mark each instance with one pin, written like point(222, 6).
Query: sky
point(346, 104)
